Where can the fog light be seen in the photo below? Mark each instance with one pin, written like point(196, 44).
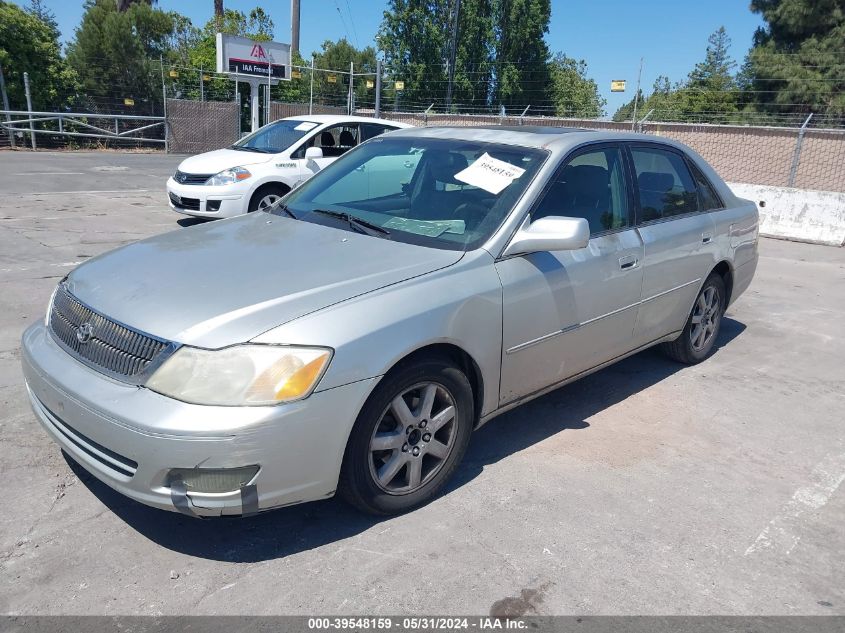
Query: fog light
point(212, 205)
point(213, 479)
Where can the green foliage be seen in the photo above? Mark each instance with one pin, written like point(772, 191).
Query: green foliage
point(337, 56)
point(30, 44)
point(574, 94)
point(797, 64)
point(115, 53)
point(522, 55)
point(709, 94)
point(413, 36)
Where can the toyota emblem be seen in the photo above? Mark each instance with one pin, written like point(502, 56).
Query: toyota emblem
point(85, 333)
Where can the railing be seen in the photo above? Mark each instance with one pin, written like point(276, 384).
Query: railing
point(79, 120)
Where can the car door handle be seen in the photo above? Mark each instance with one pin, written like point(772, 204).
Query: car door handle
point(706, 238)
point(627, 263)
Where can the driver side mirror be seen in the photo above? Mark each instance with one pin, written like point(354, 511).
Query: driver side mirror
point(314, 152)
point(552, 233)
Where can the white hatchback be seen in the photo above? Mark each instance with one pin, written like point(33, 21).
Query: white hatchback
point(261, 167)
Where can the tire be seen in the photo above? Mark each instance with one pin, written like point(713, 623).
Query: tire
point(391, 448)
point(693, 345)
point(269, 192)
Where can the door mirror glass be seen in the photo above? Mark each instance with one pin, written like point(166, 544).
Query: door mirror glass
point(314, 152)
point(551, 233)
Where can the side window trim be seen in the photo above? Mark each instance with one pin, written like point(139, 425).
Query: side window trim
point(698, 174)
point(632, 145)
point(586, 148)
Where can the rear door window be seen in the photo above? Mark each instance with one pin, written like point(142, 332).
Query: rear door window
point(707, 197)
point(664, 182)
point(371, 130)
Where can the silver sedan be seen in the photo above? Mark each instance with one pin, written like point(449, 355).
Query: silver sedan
point(351, 337)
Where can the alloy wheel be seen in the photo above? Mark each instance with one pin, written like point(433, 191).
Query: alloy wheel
point(705, 318)
point(413, 439)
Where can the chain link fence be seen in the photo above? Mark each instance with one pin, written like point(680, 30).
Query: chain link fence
point(206, 110)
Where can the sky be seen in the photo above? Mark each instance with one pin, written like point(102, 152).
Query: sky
point(610, 35)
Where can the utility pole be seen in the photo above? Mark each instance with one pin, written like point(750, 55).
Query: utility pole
point(6, 107)
point(294, 27)
point(29, 108)
point(637, 96)
point(164, 104)
point(453, 53)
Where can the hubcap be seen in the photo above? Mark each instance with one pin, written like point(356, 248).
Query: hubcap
point(267, 200)
point(705, 318)
point(413, 439)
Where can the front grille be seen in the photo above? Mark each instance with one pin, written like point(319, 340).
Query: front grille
point(101, 342)
point(185, 203)
point(190, 179)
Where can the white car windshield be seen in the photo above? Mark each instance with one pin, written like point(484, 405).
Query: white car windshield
point(435, 192)
point(275, 137)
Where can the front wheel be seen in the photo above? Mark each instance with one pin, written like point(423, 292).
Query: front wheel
point(266, 195)
point(699, 336)
point(408, 439)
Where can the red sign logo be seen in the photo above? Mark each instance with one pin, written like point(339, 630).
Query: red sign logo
point(258, 51)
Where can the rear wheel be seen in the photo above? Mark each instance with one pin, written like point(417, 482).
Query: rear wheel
point(699, 336)
point(408, 439)
point(266, 195)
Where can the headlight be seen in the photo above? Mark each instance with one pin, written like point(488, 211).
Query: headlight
point(228, 176)
point(251, 375)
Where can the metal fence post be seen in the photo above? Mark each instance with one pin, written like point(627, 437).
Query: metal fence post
point(6, 107)
point(202, 87)
point(350, 106)
point(311, 97)
point(164, 101)
point(378, 89)
point(29, 107)
point(796, 156)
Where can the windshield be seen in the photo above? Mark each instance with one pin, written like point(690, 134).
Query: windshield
point(434, 192)
point(275, 137)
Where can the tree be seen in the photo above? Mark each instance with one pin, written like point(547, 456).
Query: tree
point(710, 93)
point(337, 56)
point(30, 44)
point(574, 94)
point(796, 65)
point(474, 63)
point(413, 36)
point(522, 55)
point(626, 111)
point(116, 54)
point(37, 9)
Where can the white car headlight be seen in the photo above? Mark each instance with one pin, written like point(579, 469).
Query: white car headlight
point(242, 375)
point(229, 176)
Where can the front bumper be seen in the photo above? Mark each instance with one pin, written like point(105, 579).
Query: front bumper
point(130, 437)
point(198, 200)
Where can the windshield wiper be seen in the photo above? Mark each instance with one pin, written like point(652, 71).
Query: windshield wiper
point(281, 206)
point(362, 226)
point(246, 148)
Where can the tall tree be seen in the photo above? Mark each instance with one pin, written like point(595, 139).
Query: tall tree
point(218, 12)
point(30, 44)
point(413, 36)
point(710, 93)
point(474, 64)
point(116, 53)
point(574, 94)
point(796, 65)
point(522, 55)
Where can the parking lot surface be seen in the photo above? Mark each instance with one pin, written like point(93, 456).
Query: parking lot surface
point(647, 488)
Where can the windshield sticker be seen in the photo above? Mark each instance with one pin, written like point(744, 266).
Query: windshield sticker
point(490, 174)
point(429, 228)
point(305, 126)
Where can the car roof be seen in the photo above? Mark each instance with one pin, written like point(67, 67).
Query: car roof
point(554, 139)
point(324, 119)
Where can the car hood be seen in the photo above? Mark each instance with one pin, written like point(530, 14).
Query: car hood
point(229, 281)
point(220, 159)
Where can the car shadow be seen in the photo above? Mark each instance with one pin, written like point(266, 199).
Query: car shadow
point(285, 531)
point(192, 221)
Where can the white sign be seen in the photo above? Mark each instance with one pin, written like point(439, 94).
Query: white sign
point(490, 174)
point(246, 57)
